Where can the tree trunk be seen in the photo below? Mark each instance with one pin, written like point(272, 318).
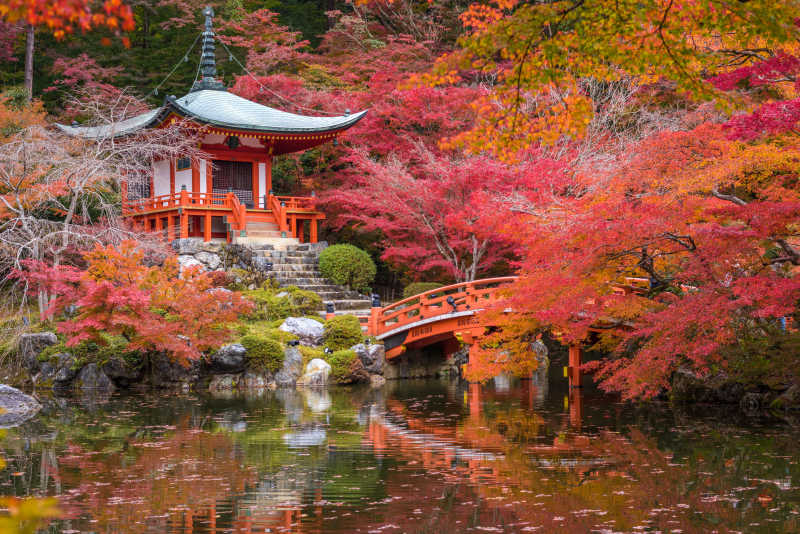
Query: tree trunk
point(29, 62)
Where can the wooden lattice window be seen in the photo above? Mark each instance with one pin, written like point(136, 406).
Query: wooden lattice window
point(235, 177)
point(139, 188)
point(183, 164)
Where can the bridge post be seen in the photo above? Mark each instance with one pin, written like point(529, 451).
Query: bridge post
point(574, 369)
point(374, 314)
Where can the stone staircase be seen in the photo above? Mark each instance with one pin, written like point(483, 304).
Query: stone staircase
point(296, 265)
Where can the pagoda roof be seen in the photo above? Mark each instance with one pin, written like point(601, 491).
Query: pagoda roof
point(221, 109)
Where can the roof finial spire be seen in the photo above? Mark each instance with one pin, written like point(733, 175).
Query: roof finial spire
point(208, 63)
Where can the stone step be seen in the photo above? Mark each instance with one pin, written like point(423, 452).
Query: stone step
point(358, 313)
point(278, 259)
point(298, 281)
point(332, 296)
point(296, 268)
point(351, 304)
point(262, 233)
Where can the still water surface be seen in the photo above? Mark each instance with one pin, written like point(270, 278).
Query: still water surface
point(415, 457)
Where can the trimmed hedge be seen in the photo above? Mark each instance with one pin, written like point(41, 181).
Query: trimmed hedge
point(347, 265)
point(342, 332)
point(263, 352)
point(419, 287)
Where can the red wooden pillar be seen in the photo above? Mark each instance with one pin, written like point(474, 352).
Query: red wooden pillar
point(170, 227)
point(207, 227)
point(158, 224)
point(195, 176)
point(184, 218)
point(313, 236)
point(268, 174)
point(574, 369)
point(171, 177)
point(209, 180)
point(293, 226)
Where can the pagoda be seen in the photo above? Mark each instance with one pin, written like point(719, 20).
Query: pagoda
point(229, 195)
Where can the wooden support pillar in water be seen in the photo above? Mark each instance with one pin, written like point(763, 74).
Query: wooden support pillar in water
point(574, 369)
point(575, 408)
point(475, 401)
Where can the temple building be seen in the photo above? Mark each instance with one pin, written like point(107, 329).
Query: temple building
point(228, 196)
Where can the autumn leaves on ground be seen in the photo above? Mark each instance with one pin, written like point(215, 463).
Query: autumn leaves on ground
point(586, 146)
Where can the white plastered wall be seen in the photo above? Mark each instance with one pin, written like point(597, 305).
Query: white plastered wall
point(262, 184)
point(161, 177)
point(202, 164)
point(182, 178)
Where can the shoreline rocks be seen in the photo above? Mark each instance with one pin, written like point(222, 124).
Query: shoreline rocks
point(16, 407)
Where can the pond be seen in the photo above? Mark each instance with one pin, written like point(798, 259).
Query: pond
point(415, 456)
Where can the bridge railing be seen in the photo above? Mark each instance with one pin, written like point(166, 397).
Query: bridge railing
point(465, 296)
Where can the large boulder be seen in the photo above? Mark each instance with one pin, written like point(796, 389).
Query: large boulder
point(373, 357)
point(121, 371)
point(92, 379)
point(316, 375)
point(16, 407)
point(30, 345)
point(309, 331)
point(292, 368)
point(229, 359)
point(66, 369)
point(168, 372)
point(358, 374)
point(209, 259)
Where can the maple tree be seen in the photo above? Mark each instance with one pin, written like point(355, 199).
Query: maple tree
point(66, 16)
point(155, 307)
point(540, 53)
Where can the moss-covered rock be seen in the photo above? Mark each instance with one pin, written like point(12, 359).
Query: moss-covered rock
point(263, 353)
point(342, 332)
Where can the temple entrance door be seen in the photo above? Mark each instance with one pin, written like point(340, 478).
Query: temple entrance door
point(234, 177)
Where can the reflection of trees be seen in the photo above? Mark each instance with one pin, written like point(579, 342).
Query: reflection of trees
point(437, 465)
point(581, 481)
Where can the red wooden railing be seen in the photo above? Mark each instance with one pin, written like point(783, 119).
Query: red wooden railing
point(238, 213)
point(466, 296)
point(297, 203)
point(289, 212)
point(175, 200)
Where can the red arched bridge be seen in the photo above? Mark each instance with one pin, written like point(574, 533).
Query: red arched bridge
point(441, 314)
point(450, 315)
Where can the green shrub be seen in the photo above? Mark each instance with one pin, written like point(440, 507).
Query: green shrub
point(347, 265)
point(278, 304)
point(419, 287)
point(342, 332)
point(341, 361)
point(263, 352)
